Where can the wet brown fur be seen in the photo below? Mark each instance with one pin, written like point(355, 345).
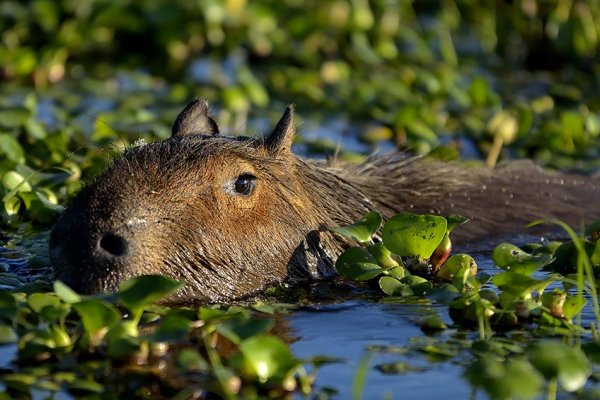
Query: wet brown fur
point(172, 203)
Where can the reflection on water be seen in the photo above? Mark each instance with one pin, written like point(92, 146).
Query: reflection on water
point(346, 330)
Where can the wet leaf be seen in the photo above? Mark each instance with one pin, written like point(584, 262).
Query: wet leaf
point(558, 360)
point(96, 315)
point(7, 335)
point(511, 258)
point(266, 356)
point(65, 293)
point(358, 264)
point(172, 328)
point(363, 229)
point(515, 378)
point(414, 235)
point(239, 329)
point(137, 292)
point(189, 359)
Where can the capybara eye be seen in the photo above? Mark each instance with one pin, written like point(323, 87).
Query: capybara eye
point(245, 184)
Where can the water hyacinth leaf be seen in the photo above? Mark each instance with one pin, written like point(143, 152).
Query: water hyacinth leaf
point(239, 329)
point(397, 368)
point(65, 293)
point(137, 292)
point(363, 229)
point(432, 323)
point(573, 306)
point(96, 315)
point(559, 360)
point(86, 385)
point(511, 258)
point(414, 235)
point(189, 359)
point(418, 285)
point(455, 220)
point(7, 335)
point(383, 256)
point(393, 287)
point(444, 293)
point(455, 264)
point(267, 356)
point(516, 378)
point(8, 306)
point(14, 117)
point(358, 264)
point(39, 301)
point(171, 329)
point(15, 183)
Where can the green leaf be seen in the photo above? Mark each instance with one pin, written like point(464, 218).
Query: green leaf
point(140, 291)
point(515, 378)
point(418, 285)
point(267, 356)
point(15, 182)
point(383, 256)
point(558, 360)
point(444, 293)
point(39, 301)
point(172, 328)
point(393, 287)
point(511, 258)
point(455, 220)
point(65, 293)
point(414, 235)
point(240, 329)
point(11, 148)
point(189, 359)
point(13, 117)
point(432, 323)
point(358, 264)
point(8, 306)
point(573, 306)
point(7, 335)
point(456, 263)
point(363, 229)
point(96, 315)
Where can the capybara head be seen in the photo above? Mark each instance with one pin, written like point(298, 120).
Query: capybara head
point(227, 215)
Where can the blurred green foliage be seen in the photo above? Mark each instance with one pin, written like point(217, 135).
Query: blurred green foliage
point(460, 73)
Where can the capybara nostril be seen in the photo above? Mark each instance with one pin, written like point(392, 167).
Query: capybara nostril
point(113, 245)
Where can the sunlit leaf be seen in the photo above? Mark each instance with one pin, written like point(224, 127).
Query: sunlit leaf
point(267, 356)
point(414, 235)
point(363, 229)
point(97, 314)
point(559, 360)
point(511, 258)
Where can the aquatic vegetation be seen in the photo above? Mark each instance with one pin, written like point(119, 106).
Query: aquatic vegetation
point(126, 343)
point(513, 299)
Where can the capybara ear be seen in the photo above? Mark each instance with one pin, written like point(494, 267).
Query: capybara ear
point(279, 142)
point(195, 118)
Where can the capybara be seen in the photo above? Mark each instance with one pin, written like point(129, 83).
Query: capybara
point(231, 215)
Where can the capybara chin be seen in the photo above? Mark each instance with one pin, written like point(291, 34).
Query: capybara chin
point(230, 215)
